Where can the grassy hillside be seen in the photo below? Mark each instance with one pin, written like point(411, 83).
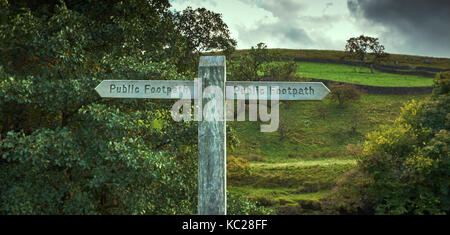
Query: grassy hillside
point(293, 172)
point(292, 169)
point(411, 61)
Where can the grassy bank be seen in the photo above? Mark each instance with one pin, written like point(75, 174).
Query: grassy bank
point(291, 173)
point(317, 129)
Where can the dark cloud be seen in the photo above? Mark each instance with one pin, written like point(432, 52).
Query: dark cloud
point(421, 25)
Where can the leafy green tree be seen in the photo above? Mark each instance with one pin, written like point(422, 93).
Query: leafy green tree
point(260, 62)
point(202, 31)
point(249, 65)
point(360, 47)
point(280, 71)
point(63, 149)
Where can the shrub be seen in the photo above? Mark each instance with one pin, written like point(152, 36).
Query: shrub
point(344, 93)
point(240, 205)
point(350, 195)
point(404, 168)
point(247, 66)
point(259, 62)
point(442, 83)
point(279, 71)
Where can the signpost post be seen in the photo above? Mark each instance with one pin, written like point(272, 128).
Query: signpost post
point(211, 127)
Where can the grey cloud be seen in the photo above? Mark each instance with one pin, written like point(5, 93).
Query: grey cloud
point(283, 9)
point(293, 34)
point(421, 24)
point(278, 33)
point(285, 31)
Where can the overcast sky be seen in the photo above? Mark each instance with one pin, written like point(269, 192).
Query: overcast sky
point(418, 27)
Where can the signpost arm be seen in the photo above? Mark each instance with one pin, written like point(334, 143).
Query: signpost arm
point(212, 138)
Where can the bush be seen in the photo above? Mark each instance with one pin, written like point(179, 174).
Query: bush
point(350, 195)
point(240, 205)
point(344, 93)
point(407, 164)
point(279, 71)
point(248, 66)
point(442, 83)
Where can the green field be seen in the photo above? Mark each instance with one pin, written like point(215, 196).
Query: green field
point(304, 165)
point(359, 75)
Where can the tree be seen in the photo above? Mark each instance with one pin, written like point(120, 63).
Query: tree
point(202, 31)
point(247, 66)
point(260, 62)
point(279, 71)
point(63, 149)
point(360, 47)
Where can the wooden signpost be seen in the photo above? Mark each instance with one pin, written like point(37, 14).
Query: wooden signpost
point(212, 132)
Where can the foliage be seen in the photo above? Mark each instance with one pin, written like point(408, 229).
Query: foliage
point(232, 138)
point(349, 196)
point(442, 83)
point(240, 205)
point(202, 31)
point(279, 71)
point(344, 93)
point(408, 162)
point(359, 47)
point(248, 66)
point(63, 149)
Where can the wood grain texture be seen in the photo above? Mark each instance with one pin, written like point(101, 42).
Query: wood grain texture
point(212, 142)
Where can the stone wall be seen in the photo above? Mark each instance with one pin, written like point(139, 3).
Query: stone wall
point(397, 69)
point(383, 90)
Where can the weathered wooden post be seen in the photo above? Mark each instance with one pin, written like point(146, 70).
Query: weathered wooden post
point(212, 137)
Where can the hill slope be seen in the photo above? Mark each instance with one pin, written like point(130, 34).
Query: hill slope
point(291, 171)
point(332, 56)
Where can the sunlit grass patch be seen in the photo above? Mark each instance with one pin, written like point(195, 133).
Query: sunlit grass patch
point(359, 75)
